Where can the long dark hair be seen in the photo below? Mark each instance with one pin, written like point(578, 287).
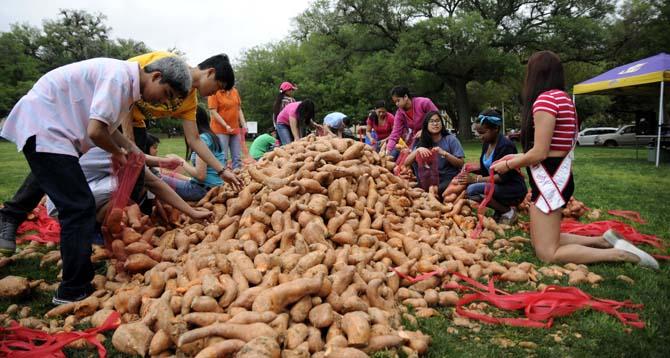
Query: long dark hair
point(202, 122)
point(305, 112)
point(544, 72)
point(276, 107)
point(426, 140)
point(374, 117)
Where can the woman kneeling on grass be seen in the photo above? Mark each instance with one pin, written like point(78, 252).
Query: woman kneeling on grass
point(510, 188)
point(548, 136)
point(436, 139)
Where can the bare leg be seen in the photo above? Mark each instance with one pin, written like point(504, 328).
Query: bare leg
point(591, 241)
point(546, 238)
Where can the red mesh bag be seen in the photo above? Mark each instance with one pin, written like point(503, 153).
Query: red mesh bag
point(126, 177)
point(428, 173)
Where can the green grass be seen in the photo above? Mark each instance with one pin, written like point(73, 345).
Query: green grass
point(606, 179)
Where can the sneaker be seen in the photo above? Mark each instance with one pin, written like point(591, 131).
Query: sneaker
point(612, 237)
point(508, 218)
point(63, 300)
point(646, 260)
point(8, 228)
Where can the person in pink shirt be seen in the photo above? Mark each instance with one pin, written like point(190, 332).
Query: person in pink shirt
point(408, 117)
point(381, 121)
point(293, 119)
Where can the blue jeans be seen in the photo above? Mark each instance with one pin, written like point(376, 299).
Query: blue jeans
point(231, 144)
point(188, 190)
point(284, 132)
point(475, 191)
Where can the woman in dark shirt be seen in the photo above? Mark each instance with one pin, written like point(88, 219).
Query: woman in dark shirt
point(510, 188)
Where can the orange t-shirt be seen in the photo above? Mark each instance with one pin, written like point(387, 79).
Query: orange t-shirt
point(227, 104)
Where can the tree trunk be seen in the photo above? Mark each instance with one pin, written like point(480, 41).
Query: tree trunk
point(463, 109)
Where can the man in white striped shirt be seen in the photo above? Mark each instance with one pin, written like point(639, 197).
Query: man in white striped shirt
point(68, 111)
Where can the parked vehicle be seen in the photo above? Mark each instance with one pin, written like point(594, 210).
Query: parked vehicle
point(589, 135)
point(623, 136)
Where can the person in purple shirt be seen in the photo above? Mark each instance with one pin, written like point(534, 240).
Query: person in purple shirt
point(408, 117)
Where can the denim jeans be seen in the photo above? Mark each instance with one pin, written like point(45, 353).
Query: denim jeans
point(186, 189)
point(284, 132)
point(475, 191)
point(61, 177)
point(231, 144)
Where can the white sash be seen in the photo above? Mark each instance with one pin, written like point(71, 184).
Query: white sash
point(551, 187)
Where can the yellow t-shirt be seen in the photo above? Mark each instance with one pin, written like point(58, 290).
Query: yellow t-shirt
point(180, 108)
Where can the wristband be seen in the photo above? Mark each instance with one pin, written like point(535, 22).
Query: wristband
point(507, 165)
point(220, 171)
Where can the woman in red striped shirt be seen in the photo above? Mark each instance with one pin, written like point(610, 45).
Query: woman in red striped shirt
point(548, 134)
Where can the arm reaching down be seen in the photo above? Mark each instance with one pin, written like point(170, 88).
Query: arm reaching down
point(164, 193)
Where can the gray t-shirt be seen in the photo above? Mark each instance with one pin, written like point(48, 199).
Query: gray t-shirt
point(450, 144)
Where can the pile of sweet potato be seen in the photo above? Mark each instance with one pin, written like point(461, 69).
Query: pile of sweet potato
point(296, 264)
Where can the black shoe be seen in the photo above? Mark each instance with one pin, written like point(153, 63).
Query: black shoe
point(8, 228)
point(59, 299)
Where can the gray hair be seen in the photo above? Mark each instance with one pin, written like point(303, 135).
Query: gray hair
point(175, 73)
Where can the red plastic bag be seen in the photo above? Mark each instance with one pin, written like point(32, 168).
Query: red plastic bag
point(126, 177)
point(428, 173)
point(540, 307)
point(597, 228)
point(21, 342)
point(48, 228)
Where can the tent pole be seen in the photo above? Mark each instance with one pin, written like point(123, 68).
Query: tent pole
point(660, 124)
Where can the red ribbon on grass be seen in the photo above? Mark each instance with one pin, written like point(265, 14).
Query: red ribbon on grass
point(48, 228)
point(597, 228)
point(21, 342)
point(539, 307)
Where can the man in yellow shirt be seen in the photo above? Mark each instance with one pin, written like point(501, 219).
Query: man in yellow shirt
point(211, 75)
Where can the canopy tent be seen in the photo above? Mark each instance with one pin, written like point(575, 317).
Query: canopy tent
point(646, 76)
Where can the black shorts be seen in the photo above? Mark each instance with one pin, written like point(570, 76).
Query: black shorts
point(551, 165)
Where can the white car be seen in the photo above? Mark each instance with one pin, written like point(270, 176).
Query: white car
point(623, 136)
point(588, 136)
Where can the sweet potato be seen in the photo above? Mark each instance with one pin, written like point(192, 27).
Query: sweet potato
point(357, 327)
point(139, 263)
point(160, 342)
point(221, 349)
point(260, 347)
point(244, 332)
point(14, 286)
point(132, 338)
point(276, 298)
point(246, 266)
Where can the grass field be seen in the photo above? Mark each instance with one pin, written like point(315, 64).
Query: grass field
point(606, 178)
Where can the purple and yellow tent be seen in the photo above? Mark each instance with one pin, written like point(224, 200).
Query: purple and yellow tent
point(643, 77)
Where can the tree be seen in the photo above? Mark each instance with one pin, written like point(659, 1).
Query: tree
point(75, 36)
point(455, 42)
point(124, 49)
point(18, 70)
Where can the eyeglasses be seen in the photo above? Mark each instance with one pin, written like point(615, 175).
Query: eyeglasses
point(435, 121)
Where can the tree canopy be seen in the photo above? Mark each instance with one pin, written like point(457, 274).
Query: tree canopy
point(466, 55)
